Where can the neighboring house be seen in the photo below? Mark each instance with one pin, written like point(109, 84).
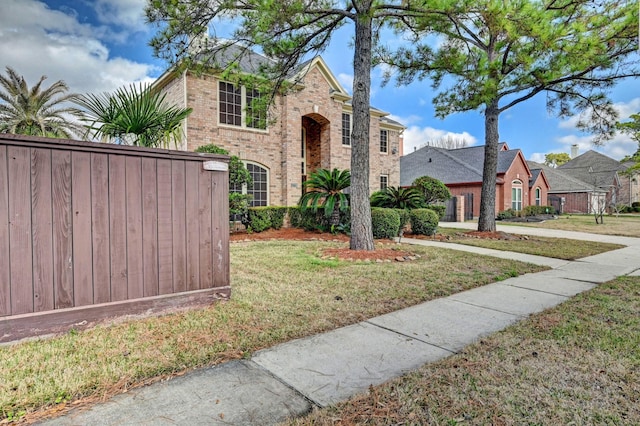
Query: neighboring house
point(461, 171)
point(601, 172)
point(308, 128)
point(568, 194)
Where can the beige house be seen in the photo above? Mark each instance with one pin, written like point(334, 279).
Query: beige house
point(309, 128)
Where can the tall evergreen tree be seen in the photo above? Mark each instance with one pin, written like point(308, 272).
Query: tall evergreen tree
point(37, 111)
point(496, 54)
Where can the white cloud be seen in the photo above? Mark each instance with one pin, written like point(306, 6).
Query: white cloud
point(124, 13)
point(537, 157)
point(36, 41)
point(346, 80)
point(416, 137)
point(617, 147)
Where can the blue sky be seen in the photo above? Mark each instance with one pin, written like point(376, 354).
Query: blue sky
point(100, 45)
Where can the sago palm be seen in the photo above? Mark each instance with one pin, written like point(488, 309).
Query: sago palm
point(37, 111)
point(134, 116)
point(324, 189)
point(398, 198)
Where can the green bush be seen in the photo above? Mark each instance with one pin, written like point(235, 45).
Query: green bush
point(635, 204)
point(277, 216)
point(507, 214)
point(424, 221)
point(385, 223)
point(405, 217)
point(536, 210)
point(309, 220)
point(257, 219)
point(440, 210)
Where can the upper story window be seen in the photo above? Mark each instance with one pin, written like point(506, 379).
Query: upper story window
point(237, 107)
point(346, 129)
point(384, 141)
point(384, 182)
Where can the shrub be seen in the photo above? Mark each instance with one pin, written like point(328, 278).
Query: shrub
point(385, 223)
point(506, 214)
point(405, 217)
point(536, 210)
point(440, 210)
point(309, 220)
point(277, 216)
point(424, 221)
point(398, 198)
point(257, 219)
point(432, 189)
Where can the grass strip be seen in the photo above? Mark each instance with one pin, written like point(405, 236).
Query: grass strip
point(577, 363)
point(281, 290)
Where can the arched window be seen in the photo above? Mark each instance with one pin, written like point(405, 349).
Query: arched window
point(259, 191)
point(538, 196)
point(516, 195)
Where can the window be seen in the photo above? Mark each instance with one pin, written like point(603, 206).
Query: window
point(384, 181)
point(516, 195)
point(384, 141)
point(259, 191)
point(346, 129)
point(237, 107)
point(538, 196)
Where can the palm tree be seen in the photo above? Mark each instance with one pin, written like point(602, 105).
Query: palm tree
point(324, 188)
point(37, 111)
point(398, 198)
point(134, 116)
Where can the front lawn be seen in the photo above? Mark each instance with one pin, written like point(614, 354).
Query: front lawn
point(624, 225)
point(577, 363)
point(281, 290)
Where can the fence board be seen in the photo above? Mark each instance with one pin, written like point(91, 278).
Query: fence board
point(118, 227)
point(20, 254)
point(134, 228)
point(220, 186)
point(100, 228)
point(5, 289)
point(42, 230)
point(204, 214)
point(179, 229)
point(165, 228)
point(150, 226)
point(81, 217)
point(62, 243)
point(192, 223)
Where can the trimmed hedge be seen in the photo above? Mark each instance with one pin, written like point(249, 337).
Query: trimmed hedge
point(309, 220)
point(536, 210)
point(385, 223)
point(405, 217)
point(440, 210)
point(260, 219)
point(424, 221)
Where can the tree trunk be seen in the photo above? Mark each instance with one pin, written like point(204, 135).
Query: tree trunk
point(361, 232)
point(487, 219)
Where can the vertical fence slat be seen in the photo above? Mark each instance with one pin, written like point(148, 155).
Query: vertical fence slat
point(42, 230)
point(62, 232)
point(178, 223)
point(220, 239)
point(5, 289)
point(165, 228)
point(204, 214)
point(20, 255)
point(150, 226)
point(134, 227)
point(118, 227)
point(100, 227)
point(81, 219)
point(192, 224)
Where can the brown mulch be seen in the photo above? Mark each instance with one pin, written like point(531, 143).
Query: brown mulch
point(380, 254)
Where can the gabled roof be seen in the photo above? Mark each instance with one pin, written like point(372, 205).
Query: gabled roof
point(594, 168)
point(451, 166)
point(561, 182)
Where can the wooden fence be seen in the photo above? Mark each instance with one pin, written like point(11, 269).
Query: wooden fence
point(90, 231)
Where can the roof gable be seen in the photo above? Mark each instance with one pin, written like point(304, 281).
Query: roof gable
point(559, 181)
point(593, 168)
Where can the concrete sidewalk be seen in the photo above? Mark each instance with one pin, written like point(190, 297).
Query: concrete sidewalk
point(289, 379)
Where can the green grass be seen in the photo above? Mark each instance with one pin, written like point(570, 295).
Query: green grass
point(578, 363)
point(623, 225)
point(559, 248)
point(281, 290)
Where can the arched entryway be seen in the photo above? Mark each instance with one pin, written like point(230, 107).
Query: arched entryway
point(314, 144)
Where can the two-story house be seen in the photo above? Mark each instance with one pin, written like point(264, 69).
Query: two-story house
point(308, 128)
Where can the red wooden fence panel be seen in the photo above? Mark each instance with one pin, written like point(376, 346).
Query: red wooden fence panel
point(90, 230)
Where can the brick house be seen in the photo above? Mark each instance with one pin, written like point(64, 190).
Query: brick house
point(308, 128)
point(461, 171)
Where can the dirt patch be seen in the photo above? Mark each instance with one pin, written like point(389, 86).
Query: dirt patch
point(379, 255)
